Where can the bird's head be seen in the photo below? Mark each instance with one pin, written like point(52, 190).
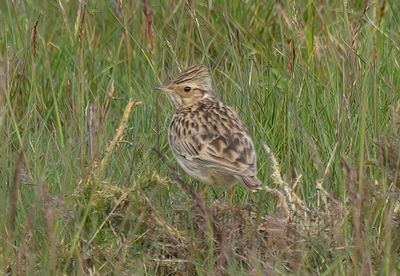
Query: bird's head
point(191, 86)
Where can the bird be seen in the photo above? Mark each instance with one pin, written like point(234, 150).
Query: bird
point(207, 138)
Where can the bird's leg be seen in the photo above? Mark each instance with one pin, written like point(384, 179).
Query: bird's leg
point(230, 196)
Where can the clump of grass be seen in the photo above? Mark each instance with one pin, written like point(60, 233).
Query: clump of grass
point(263, 243)
point(3, 91)
point(389, 149)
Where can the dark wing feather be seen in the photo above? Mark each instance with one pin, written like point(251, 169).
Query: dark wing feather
point(231, 154)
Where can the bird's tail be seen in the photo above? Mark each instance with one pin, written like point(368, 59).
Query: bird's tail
point(251, 182)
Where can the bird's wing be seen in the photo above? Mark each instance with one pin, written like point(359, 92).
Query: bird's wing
point(234, 154)
point(221, 145)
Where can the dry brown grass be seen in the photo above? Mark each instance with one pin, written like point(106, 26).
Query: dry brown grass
point(241, 235)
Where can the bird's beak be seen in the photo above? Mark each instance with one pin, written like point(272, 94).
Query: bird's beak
point(164, 89)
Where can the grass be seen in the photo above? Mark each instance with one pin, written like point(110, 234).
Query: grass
point(84, 190)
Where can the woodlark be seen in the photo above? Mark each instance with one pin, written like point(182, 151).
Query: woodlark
point(207, 138)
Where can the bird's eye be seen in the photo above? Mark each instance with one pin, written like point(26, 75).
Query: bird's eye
point(187, 89)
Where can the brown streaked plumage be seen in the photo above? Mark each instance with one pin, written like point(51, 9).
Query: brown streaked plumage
point(207, 138)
